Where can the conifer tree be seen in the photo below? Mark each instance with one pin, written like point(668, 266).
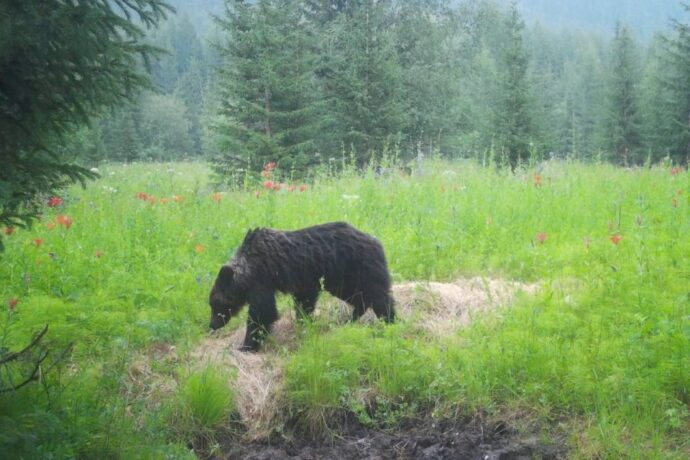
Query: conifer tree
point(513, 117)
point(676, 84)
point(623, 125)
point(57, 71)
point(361, 77)
point(267, 110)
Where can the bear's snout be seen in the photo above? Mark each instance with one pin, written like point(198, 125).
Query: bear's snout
point(217, 321)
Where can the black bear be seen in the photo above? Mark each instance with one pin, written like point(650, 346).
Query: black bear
point(351, 264)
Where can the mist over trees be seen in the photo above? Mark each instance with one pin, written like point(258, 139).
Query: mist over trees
point(319, 82)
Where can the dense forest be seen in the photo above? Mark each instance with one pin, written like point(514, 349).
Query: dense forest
point(389, 78)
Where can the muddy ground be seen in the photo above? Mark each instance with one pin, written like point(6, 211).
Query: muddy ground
point(421, 439)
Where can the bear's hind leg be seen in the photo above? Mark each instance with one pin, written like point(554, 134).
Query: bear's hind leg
point(262, 314)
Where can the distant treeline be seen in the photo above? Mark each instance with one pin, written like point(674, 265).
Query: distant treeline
point(306, 82)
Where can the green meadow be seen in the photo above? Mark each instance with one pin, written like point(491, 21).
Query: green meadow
point(124, 266)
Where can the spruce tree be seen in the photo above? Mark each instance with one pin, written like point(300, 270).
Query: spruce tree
point(623, 125)
point(60, 64)
point(361, 78)
point(676, 84)
point(268, 109)
point(427, 40)
point(513, 117)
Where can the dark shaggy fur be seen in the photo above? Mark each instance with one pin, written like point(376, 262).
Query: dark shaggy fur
point(351, 264)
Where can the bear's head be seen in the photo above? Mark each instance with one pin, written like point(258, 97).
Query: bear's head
point(227, 297)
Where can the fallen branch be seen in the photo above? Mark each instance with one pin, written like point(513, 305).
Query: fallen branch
point(37, 360)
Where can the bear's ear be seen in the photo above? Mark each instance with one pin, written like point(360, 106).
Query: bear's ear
point(225, 275)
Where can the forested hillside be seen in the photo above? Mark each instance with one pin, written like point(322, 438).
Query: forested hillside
point(463, 79)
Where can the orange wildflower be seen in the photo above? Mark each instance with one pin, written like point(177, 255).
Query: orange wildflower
point(541, 237)
point(38, 242)
point(64, 220)
point(54, 201)
point(177, 198)
point(199, 248)
point(302, 188)
point(537, 180)
point(99, 254)
point(615, 239)
point(217, 197)
point(12, 303)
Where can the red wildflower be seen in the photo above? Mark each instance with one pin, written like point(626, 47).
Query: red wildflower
point(537, 180)
point(676, 170)
point(615, 239)
point(217, 197)
point(12, 303)
point(99, 254)
point(9, 230)
point(268, 184)
point(270, 166)
point(199, 248)
point(142, 196)
point(54, 201)
point(38, 242)
point(64, 220)
point(302, 188)
point(541, 237)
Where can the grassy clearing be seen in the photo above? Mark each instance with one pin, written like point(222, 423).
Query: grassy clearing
point(604, 346)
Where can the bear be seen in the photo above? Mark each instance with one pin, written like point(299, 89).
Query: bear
point(348, 263)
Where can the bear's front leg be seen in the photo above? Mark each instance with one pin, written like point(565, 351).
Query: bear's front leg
point(262, 314)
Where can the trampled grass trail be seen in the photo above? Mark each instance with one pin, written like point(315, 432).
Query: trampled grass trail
point(123, 268)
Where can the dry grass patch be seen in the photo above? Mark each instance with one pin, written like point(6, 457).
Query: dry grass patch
point(435, 308)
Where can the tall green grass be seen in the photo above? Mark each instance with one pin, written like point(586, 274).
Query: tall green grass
point(606, 343)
